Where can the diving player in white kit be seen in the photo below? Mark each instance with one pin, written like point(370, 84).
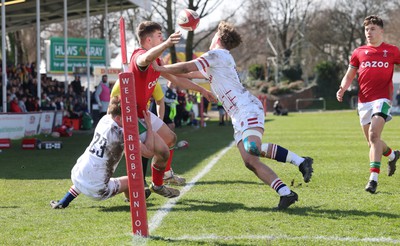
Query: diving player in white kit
point(92, 173)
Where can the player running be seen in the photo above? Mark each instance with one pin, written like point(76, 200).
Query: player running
point(245, 110)
point(374, 63)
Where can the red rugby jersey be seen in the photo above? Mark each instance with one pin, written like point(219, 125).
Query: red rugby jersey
point(375, 70)
point(145, 81)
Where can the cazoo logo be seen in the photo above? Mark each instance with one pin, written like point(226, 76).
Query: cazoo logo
point(375, 64)
point(152, 84)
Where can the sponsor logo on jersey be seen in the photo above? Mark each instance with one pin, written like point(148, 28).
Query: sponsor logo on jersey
point(152, 84)
point(378, 64)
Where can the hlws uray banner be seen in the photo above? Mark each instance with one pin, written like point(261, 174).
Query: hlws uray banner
point(77, 53)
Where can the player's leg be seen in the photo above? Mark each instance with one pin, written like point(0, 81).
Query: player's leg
point(161, 155)
point(373, 116)
point(72, 193)
point(145, 162)
point(267, 175)
point(123, 186)
point(276, 152)
point(376, 150)
point(169, 137)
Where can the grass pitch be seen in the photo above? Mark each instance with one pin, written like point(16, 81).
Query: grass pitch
point(226, 206)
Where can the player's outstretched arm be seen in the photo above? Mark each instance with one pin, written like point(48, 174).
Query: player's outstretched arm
point(190, 85)
point(180, 68)
point(152, 54)
point(177, 68)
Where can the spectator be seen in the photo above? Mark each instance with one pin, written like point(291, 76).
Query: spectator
point(102, 95)
point(22, 104)
point(77, 109)
point(14, 106)
point(221, 112)
point(170, 97)
point(205, 104)
point(398, 97)
point(188, 114)
point(59, 102)
point(180, 107)
point(277, 108)
point(76, 85)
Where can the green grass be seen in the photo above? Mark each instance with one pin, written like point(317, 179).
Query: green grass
point(229, 205)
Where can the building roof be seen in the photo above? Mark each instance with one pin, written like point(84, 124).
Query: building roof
point(22, 15)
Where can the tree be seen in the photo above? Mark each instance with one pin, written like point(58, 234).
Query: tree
point(166, 10)
point(277, 31)
point(337, 31)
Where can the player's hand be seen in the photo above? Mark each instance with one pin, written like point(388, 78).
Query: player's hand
point(174, 38)
point(210, 96)
point(147, 120)
point(339, 94)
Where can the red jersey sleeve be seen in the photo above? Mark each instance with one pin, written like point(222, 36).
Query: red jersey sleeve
point(354, 61)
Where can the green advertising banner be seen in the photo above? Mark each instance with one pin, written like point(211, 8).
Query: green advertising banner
point(77, 53)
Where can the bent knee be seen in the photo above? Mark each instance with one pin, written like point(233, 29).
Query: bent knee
point(373, 138)
point(171, 141)
point(251, 148)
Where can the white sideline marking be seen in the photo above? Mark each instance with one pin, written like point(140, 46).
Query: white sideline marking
point(271, 237)
point(164, 210)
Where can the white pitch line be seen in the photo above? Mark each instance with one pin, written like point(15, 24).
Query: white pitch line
point(272, 237)
point(164, 210)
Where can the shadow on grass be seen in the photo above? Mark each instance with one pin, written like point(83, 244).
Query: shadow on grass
point(227, 182)
point(337, 213)
point(229, 207)
point(184, 241)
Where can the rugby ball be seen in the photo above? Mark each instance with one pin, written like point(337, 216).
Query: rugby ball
point(182, 144)
point(188, 19)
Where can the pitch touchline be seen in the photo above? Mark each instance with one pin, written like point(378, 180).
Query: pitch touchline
point(164, 210)
point(271, 237)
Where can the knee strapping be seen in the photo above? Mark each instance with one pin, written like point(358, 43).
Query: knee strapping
point(251, 147)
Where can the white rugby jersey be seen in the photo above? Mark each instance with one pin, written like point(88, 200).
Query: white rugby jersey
point(97, 164)
point(219, 67)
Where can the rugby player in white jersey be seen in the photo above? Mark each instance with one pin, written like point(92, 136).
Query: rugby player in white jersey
point(93, 171)
point(245, 110)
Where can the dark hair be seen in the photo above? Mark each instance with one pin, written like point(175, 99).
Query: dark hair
point(373, 19)
point(114, 108)
point(147, 28)
point(229, 37)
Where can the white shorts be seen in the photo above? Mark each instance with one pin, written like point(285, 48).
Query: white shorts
point(156, 124)
point(90, 185)
point(250, 117)
point(369, 109)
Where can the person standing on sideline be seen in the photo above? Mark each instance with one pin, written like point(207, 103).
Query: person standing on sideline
point(398, 98)
point(151, 48)
point(374, 63)
point(221, 113)
point(77, 86)
point(245, 110)
point(102, 95)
